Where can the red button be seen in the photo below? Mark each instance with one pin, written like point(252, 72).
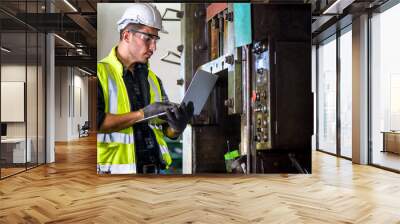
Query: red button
point(253, 96)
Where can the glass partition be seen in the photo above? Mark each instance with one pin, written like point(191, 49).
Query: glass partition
point(31, 99)
point(327, 95)
point(22, 88)
point(385, 88)
point(31, 85)
point(14, 153)
point(346, 93)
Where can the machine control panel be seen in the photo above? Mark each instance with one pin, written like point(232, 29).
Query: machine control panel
point(261, 96)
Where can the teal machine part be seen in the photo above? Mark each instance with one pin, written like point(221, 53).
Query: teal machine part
point(242, 23)
point(175, 149)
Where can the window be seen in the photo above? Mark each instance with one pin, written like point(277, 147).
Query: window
point(327, 95)
point(385, 88)
point(346, 92)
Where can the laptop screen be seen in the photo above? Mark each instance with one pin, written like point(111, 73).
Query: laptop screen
point(199, 89)
point(198, 92)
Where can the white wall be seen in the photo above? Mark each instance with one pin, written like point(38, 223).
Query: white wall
point(71, 94)
point(107, 36)
point(14, 72)
point(61, 103)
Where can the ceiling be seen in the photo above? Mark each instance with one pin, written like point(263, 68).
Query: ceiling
point(332, 15)
point(75, 21)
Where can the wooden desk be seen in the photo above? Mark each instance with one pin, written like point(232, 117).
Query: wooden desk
point(391, 141)
point(13, 150)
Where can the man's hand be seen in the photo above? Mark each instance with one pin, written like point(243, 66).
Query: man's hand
point(178, 117)
point(116, 122)
point(156, 108)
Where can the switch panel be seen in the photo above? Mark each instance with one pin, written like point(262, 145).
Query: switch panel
point(261, 96)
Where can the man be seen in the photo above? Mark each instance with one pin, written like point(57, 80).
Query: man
point(128, 92)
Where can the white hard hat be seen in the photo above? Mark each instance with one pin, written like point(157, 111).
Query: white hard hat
point(141, 13)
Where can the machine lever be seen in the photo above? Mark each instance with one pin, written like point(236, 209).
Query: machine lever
point(164, 58)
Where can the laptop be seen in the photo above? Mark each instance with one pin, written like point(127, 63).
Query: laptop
point(198, 92)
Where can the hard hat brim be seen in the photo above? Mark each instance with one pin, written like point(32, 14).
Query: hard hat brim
point(122, 24)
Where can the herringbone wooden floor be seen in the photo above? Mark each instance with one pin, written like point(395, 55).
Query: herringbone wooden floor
point(69, 191)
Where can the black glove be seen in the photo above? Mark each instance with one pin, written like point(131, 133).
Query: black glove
point(156, 108)
point(178, 117)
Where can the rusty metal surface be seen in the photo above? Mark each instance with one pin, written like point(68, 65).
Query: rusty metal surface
point(215, 8)
point(214, 41)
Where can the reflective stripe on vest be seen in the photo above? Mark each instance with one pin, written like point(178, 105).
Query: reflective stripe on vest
point(112, 92)
point(115, 137)
point(156, 91)
point(163, 149)
point(117, 168)
point(162, 144)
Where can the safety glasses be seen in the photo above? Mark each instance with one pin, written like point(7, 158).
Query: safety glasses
point(148, 38)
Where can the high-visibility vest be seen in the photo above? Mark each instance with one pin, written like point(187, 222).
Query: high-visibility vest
point(116, 150)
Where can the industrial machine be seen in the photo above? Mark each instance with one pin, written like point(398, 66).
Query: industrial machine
point(262, 104)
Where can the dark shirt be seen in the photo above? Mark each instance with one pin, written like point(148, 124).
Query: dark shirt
point(146, 147)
